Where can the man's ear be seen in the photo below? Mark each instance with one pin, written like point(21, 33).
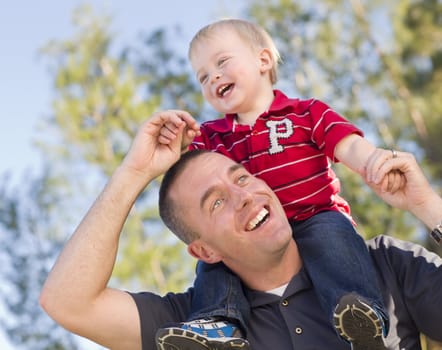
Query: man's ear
point(266, 60)
point(201, 251)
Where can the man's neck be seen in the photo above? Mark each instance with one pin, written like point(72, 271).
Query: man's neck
point(275, 273)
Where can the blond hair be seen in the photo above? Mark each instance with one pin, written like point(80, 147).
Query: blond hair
point(251, 33)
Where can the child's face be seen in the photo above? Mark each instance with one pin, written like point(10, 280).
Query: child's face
point(230, 71)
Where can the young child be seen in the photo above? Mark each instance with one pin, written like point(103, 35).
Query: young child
point(288, 143)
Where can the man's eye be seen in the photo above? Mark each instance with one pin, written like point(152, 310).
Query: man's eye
point(242, 179)
point(216, 204)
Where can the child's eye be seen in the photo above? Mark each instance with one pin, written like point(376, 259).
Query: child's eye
point(221, 61)
point(203, 79)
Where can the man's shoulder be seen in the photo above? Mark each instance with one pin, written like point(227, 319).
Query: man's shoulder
point(386, 248)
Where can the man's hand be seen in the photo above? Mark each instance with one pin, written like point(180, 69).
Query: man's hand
point(148, 156)
point(416, 194)
point(393, 180)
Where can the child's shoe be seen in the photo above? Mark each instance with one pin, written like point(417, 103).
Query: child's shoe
point(204, 334)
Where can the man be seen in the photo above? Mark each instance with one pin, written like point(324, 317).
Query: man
point(232, 217)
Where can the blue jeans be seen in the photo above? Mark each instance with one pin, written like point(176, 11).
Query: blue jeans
point(333, 253)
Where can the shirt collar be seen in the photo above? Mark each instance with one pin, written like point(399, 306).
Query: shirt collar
point(280, 103)
point(301, 281)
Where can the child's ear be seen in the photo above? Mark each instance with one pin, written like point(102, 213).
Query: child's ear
point(266, 60)
point(203, 252)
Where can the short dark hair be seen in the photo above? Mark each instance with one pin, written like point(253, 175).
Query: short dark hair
point(170, 211)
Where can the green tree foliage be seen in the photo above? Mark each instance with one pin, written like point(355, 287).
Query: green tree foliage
point(419, 52)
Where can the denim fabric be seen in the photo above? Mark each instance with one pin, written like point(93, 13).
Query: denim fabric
point(334, 255)
point(218, 292)
point(337, 260)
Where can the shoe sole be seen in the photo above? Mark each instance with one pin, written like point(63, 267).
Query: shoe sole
point(181, 339)
point(357, 323)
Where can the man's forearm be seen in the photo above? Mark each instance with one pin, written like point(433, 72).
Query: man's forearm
point(84, 267)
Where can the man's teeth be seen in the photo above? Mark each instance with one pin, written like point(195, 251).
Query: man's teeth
point(259, 219)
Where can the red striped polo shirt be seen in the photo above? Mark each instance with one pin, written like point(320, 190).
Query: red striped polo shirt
point(290, 147)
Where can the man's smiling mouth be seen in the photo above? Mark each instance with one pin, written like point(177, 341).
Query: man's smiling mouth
point(258, 220)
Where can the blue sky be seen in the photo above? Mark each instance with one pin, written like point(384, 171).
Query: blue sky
point(26, 26)
point(25, 86)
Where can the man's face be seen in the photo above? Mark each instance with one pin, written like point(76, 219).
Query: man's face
point(238, 217)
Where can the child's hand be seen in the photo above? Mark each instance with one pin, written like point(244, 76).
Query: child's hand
point(392, 181)
point(171, 128)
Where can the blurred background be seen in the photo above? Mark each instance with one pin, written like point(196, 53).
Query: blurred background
point(78, 77)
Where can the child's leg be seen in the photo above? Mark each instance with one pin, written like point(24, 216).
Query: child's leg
point(218, 314)
point(338, 261)
point(217, 292)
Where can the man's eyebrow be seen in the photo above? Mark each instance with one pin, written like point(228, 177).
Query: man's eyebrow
point(212, 189)
point(234, 168)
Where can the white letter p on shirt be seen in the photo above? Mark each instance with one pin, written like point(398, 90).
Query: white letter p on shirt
point(278, 129)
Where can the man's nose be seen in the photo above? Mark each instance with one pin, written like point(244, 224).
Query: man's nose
point(241, 197)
